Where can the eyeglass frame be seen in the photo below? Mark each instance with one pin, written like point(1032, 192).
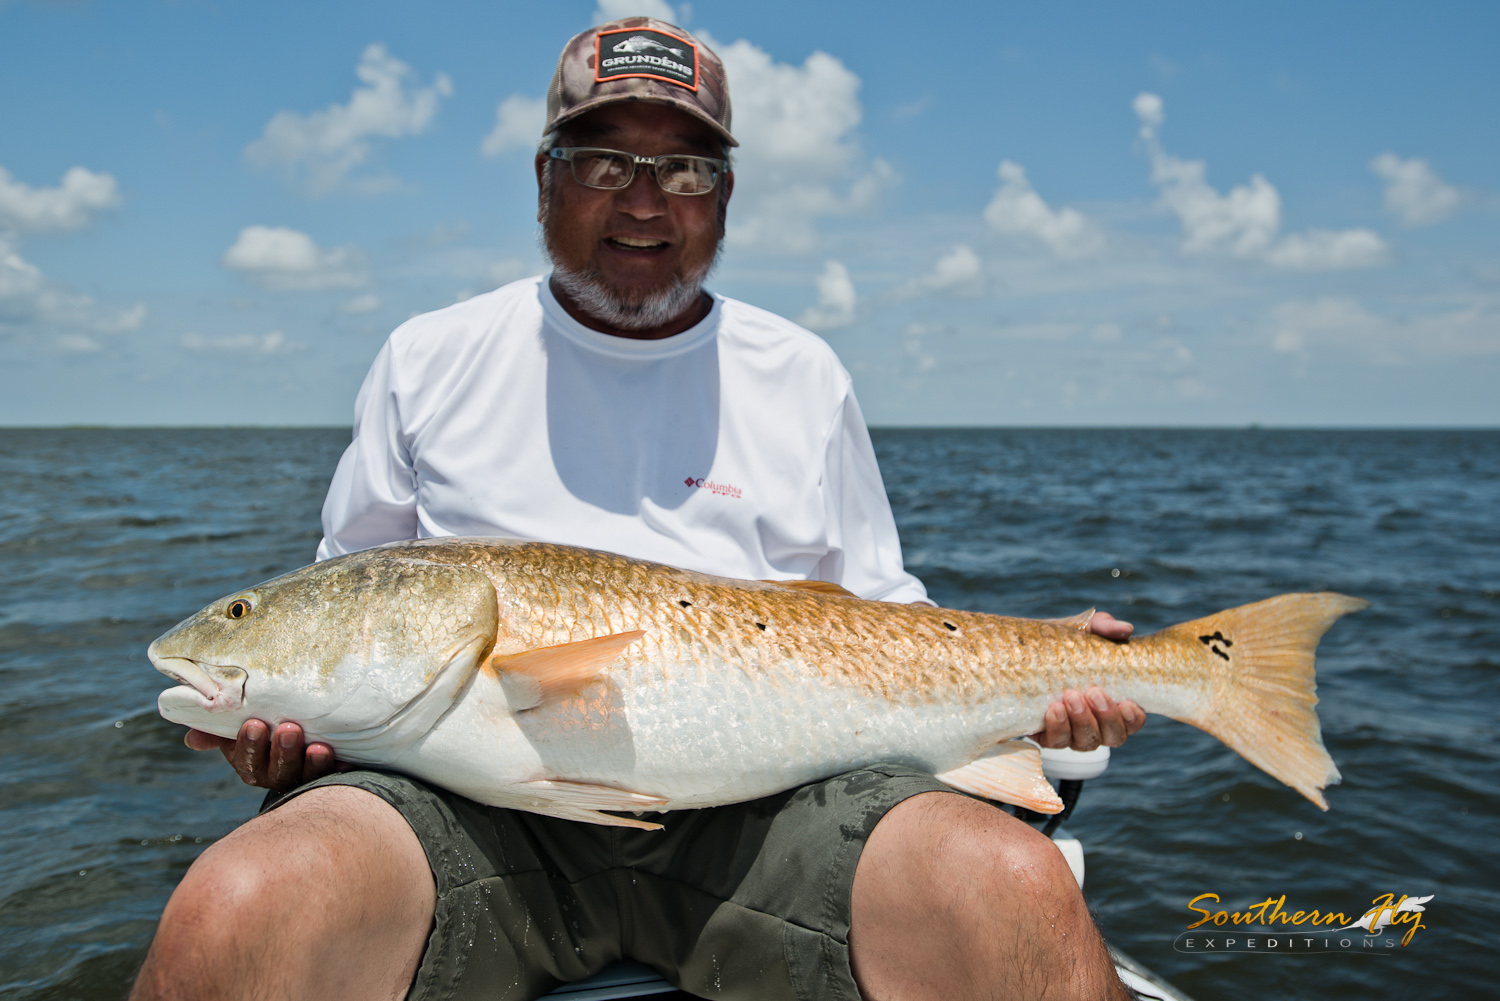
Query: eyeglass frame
point(567, 153)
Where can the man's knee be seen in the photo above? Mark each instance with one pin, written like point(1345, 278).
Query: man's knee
point(951, 853)
point(285, 890)
point(321, 848)
point(954, 898)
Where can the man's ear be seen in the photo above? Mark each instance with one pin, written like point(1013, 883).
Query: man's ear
point(728, 186)
point(541, 191)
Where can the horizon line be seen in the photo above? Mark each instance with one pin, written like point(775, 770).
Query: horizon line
point(1241, 426)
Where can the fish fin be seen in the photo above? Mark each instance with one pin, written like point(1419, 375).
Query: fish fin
point(1011, 773)
point(584, 800)
point(814, 587)
point(594, 817)
point(1263, 707)
point(1079, 622)
point(590, 795)
point(532, 677)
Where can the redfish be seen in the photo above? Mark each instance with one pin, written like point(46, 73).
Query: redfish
point(568, 682)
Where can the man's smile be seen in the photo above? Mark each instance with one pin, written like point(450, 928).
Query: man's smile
point(630, 243)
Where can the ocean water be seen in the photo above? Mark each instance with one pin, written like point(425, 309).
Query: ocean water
point(108, 537)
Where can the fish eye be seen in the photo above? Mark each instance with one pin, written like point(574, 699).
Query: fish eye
point(238, 608)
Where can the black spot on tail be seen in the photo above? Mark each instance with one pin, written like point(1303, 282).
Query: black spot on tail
point(1213, 643)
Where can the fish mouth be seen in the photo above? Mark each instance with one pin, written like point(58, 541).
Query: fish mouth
point(198, 686)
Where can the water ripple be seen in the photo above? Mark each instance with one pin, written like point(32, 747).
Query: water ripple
point(109, 537)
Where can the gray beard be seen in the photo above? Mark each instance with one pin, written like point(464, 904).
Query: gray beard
point(613, 307)
point(624, 311)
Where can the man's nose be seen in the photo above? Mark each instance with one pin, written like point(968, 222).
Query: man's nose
point(642, 198)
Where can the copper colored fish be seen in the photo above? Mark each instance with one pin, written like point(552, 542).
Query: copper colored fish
point(568, 682)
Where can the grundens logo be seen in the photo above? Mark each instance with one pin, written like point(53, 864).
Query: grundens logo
point(646, 52)
point(1392, 922)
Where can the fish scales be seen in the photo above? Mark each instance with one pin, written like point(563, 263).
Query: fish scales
point(568, 681)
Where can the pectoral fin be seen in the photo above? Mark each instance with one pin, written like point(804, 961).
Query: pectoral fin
point(583, 801)
point(595, 817)
point(1011, 773)
point(1079, 622)
point(553, 672)
point(814, 587)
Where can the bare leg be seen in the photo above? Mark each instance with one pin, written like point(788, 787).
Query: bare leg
point(954, 899)
point(324, 898)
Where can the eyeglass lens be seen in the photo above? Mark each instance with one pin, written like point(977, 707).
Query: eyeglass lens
point(679, 175)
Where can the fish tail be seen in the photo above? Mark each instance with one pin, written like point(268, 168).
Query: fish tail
point(1262, 706)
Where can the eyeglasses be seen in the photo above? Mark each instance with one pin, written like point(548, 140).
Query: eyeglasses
point(608, 169)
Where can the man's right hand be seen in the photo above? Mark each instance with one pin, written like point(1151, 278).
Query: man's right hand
point(272, 760)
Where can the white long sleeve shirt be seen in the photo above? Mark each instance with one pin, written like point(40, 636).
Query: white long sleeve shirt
point(734, 448)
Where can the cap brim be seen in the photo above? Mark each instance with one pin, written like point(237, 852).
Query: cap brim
point(683, 106)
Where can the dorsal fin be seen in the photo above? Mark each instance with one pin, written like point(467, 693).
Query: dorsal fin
point(815, 587)
point(532, 677)
point(1079, 622)
point(1011, 773)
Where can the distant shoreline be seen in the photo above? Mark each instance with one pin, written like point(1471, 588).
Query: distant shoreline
point(873, 427)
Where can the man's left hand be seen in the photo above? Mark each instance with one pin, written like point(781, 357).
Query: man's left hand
point(1084, 720)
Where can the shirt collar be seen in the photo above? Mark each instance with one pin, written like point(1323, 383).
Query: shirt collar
point(705, 329)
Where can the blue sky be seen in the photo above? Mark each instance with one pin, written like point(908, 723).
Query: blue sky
point(1090, 213)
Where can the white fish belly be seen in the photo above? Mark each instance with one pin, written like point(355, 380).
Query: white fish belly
point(699, 743)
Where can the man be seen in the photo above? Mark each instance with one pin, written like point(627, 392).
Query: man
point(617, 405)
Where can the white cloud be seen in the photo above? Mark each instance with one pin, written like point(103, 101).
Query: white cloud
point(367, 303)
point(1413, 191)
point(322, 147)
point(252, 344)
point(20, 280)
point(1328, 250)
point(1242, 223)
point(1348, 327)
point(799, 159)
point(121, 320)
point(28, 297)
point(836, 300)
point(1017, 208)
point(283, 259)
point(959, 271)
point(80, 344)
point(1245, 222)
point(70, 205)
point(518, 125)
point(613, 10)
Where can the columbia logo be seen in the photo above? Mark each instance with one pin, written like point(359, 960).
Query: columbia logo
point(718, 489)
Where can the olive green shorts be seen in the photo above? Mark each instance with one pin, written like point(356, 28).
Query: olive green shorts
point(746, 901)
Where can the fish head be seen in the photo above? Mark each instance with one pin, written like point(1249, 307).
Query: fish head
point(341, 646)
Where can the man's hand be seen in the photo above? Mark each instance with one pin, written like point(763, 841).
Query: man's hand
point(270, 760)
point(1084, 720)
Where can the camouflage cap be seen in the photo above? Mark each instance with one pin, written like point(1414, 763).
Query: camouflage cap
point(639, 59)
